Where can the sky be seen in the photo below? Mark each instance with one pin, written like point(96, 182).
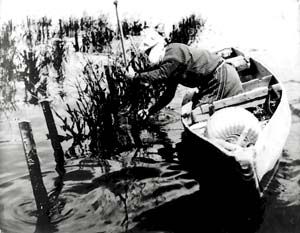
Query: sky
point(157, 10)
point(160, 9)
point(258, 22)
point(59, 8)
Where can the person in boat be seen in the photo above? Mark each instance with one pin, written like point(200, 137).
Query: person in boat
point(177, 63)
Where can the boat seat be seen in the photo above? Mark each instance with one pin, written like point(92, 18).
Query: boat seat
point(258, 82)
point(225, 53)
point(240, 63)
point(247, 99)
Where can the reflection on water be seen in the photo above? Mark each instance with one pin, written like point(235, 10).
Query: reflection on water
point(283, 203)
point(149, 191)
point(147, 196)
point(111, 201)
point(106, 195)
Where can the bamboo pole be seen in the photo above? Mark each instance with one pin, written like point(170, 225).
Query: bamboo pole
point(33, 164)
point(53, 135)
point(121, 32)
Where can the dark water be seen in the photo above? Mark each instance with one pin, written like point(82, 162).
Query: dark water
point(108, 196)
point(148, 193)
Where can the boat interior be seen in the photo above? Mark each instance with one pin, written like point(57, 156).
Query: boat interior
point(261, 96)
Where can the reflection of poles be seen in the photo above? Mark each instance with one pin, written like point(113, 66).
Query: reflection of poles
point(53, 135)
point(124, 200)
point(39, 190)
point(121, 32)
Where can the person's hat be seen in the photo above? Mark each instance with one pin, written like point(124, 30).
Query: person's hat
point(160, 28)
point(150, 39)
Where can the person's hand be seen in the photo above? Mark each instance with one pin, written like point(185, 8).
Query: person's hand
point(129, 72)
point(143, 114)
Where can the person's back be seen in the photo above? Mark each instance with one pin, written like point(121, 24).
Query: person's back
point(192, 67)
point(197, 60)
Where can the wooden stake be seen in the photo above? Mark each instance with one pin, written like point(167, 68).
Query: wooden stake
point(53, 135)
point(121, 32)
point(33, 164)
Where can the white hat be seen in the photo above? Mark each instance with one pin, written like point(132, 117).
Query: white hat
point(155, 42)
point(150, 39)
point(160, 28)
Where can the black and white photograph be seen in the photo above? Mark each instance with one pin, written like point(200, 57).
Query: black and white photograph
point(138, 116)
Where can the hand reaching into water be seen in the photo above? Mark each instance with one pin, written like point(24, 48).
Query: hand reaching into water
point(129, 72)
point(143, 114)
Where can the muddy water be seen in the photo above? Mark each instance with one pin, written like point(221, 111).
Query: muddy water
point(148, 193)
point(114, 201)
point(116, 195)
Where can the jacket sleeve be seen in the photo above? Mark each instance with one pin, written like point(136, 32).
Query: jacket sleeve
point(167, 73)
point(165, 99)
point(163, 72)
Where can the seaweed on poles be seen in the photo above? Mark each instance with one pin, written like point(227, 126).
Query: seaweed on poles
point(187, 29)
point(8, 69)
point(34, 70)
point(103, 121)
point(57, 59)
point(91, 117)
point(43, 25)
point(35, 74)
point(94, 116)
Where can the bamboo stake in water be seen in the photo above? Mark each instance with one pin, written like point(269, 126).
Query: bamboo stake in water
point(121, 33)
point(33, 164)
point(53, 135)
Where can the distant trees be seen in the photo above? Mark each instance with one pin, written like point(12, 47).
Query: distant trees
point(57, 60)
point(43, 26)
point(95, 33)
point(186, 30)
point(132, 28)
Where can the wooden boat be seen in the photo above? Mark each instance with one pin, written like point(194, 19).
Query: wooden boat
point(222, 165)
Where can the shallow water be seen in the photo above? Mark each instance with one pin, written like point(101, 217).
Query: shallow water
point(109, 203)
point(149, 193)
point(112, 196)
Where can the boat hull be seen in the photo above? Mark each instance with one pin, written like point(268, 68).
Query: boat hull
point(215, 168)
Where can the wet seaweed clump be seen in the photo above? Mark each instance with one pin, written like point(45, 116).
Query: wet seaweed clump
point(102, 120)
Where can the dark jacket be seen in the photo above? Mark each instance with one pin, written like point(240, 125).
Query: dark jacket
point(181, 64)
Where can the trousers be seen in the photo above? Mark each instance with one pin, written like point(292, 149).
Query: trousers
point(224, 83)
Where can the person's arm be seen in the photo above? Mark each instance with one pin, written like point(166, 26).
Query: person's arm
point(161, 72)
point(164, 100)
point(166, 73)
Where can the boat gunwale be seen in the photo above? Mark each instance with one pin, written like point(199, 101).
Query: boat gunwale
point(281, 106)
